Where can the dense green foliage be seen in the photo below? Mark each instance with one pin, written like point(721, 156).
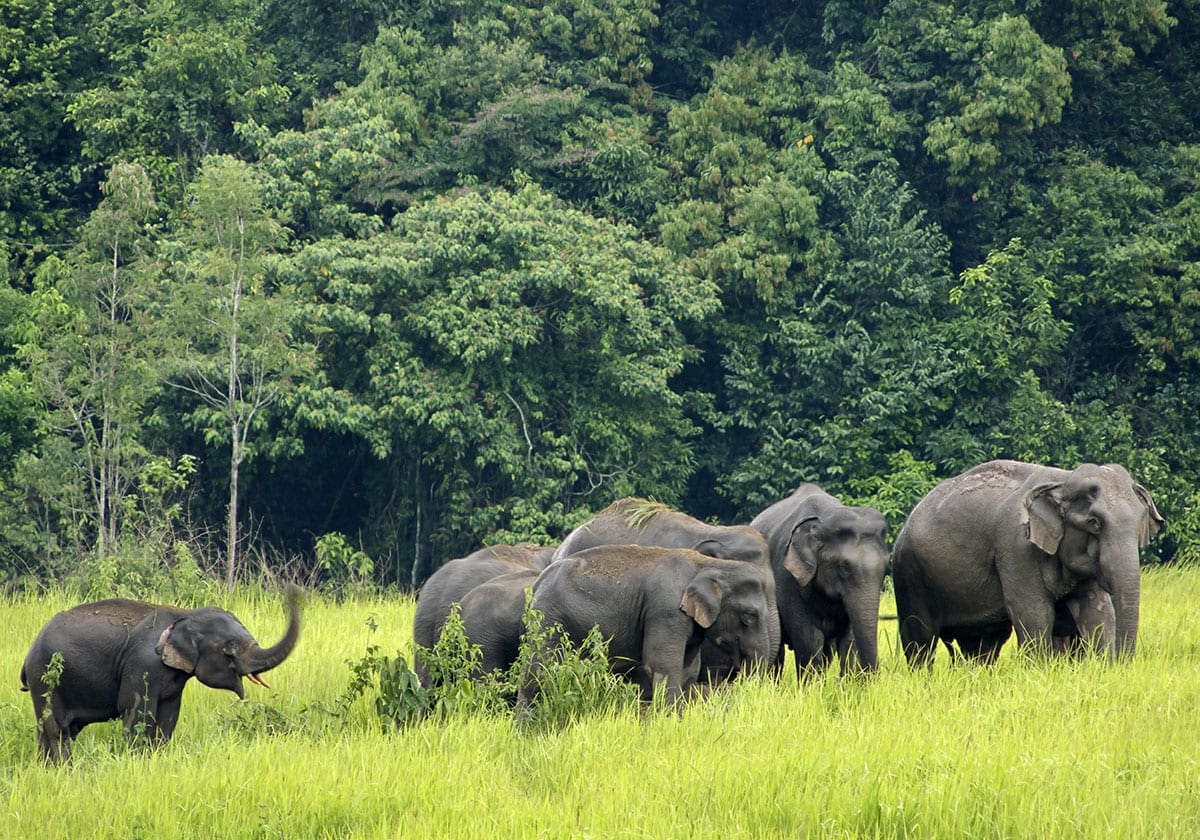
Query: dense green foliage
point(430, 275)
point(1026, 749)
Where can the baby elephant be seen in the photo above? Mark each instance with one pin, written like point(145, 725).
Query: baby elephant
point(129, 659)
point(656, 606)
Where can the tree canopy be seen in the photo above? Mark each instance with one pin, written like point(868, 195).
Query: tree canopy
point(435, 275)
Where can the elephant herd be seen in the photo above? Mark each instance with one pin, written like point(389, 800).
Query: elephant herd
point(1007, 547)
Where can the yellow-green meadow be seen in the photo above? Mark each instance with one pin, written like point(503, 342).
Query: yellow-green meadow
point(1024, 749)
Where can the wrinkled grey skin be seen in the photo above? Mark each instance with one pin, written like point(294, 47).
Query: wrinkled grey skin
point(493, 618)
point(131, 660)
point(655, 606)
point(1011, 546)
point(633, 521)
point(828, 560)
point(453, 580)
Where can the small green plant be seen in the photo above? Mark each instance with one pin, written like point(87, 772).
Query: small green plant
point(143, 726)
point(571, 681)
point(561, 681)
point(250, 717)
point(399, 698)
point(51, 678)
point(348, 568)
point(458, 685)
point(1186, 529)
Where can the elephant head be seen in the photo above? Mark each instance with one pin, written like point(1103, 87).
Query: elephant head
point(838, 554)
point(1094, 522)
point(730, 603)
point(212, 645)
point(733, 542)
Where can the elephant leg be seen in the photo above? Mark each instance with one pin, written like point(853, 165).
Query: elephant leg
point(983, 646)
point(139, 722)
point(847, 653)
point(811, 651)
point(54, 739)
point(1085, 621)
point(666, 656)
point(1033, 621)
point(662, 685)
point(918, 638)
point(165, 719)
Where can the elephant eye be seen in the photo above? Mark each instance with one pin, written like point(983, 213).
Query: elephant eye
point(750, 618)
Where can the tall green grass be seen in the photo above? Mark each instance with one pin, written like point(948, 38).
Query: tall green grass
point(1023, 749)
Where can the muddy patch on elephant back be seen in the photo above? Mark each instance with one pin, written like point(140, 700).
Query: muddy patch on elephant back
point(522, 552)
point(990, 476)
point(613, 563)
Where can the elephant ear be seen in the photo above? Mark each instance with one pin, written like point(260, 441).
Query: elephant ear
point(710, 548)
point(178, 649)
point(702, 600)
point(801, 557)
point(1152, 521)
point(1042, 517)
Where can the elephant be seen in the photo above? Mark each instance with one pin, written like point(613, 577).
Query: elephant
point(454, 579)
point(655, 606)
point(828, 561)
point(130, 659)
point(634, 521)
point(1008, 545)
point(1093, 609)
point(493, 618)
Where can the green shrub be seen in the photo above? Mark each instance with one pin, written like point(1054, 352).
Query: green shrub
point(572, 681)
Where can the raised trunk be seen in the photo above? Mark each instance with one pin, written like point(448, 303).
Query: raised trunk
point(255, 659)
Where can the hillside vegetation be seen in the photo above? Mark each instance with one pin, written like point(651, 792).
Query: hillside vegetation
point(344, 290)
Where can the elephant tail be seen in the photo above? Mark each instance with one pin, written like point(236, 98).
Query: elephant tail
point(24, 681)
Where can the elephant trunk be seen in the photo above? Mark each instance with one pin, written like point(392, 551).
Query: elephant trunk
point(774, 633)
point(1124, 585)
point(254, 659)
point(863, 608)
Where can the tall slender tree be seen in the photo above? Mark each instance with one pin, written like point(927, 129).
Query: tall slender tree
point(86, 352)
point(236, 350)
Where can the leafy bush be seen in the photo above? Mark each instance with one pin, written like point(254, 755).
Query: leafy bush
point(349, 569)
point(564, 682)
point(571, 681)
point(142, 571)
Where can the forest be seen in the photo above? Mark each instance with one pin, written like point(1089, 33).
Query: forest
point(340, 291)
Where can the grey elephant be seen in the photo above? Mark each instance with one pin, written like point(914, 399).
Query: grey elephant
point(634, 521)
point(828, 561)
point(454, 579)
point(493, 616)
point(655, 606)
point(131, 660)
point(1010, 546)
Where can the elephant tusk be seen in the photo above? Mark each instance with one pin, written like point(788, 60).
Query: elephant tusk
point(255, 678)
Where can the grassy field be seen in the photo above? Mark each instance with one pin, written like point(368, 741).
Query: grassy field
point(1024, 749)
